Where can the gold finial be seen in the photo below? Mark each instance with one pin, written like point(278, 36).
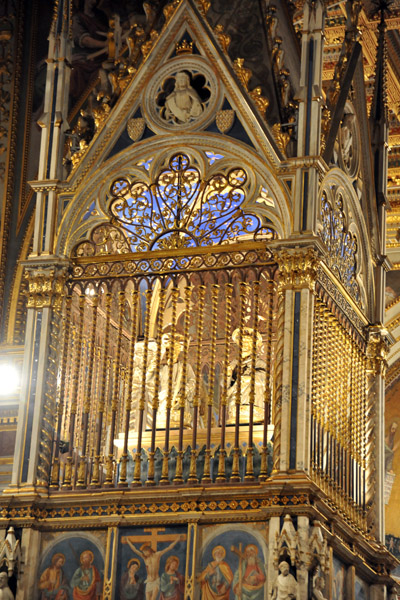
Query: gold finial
point(184, 47)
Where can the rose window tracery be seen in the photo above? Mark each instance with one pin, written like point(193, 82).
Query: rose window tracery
point(341, 243)
point(179, 209)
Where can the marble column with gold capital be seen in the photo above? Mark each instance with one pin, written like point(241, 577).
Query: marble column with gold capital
point(37, 399)
point(292, 373)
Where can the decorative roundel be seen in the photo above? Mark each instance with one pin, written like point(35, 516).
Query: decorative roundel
point(182, 95)
point(349, 142)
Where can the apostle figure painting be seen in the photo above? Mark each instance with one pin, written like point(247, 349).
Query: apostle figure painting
point(72, 569)
point(152, 563)
point(232, 568)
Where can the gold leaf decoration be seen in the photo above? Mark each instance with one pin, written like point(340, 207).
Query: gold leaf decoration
point(242, 72)
point(135, 128)
point(223, 38)
point(224, 120)
point(147, 46)
point(260, 101)
point(282, 138)
point(170, 9)
point(203, 5)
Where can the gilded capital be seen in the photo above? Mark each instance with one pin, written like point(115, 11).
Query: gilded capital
point(298, 267)
point(45, 285)
point(377, 351)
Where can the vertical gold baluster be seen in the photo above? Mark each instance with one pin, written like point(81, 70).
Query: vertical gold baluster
point(160, 320)
point(235, 452)
point(214, 316)
point(221, 475)
point(109, 480)
point(95, 480)
point(55, 473)
point(175, 295)
point(178, 472)
point(67, 484)
point(82, 474)
point(249, 476)
point(124, 458)
point(268, 392)
point(138, 457)
point(200, 324)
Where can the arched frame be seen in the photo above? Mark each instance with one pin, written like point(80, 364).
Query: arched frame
point(335, 183)
point(76, 222)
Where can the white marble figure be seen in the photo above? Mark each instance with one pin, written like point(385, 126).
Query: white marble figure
point(177, 391)
point(137, 383)
point(5, 592)
point(245, 375)
point(319, 586)
point(285, 586)
point(346, 139)
point(184, 102)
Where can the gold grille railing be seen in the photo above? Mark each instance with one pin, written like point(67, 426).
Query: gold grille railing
point(338, 421)
point(166, 377)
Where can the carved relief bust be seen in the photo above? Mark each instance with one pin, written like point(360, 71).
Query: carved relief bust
point(183, 103)
point(183, 94)
point(183, 97)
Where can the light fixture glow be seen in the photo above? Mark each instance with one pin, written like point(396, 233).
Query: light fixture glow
point(9, 379)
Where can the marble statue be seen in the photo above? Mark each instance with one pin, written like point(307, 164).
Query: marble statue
point(177, 391)
point(246, 380)
point(5, 592)
point(285, 586)
point(318, 589)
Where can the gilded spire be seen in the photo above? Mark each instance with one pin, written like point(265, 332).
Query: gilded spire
point(379, 111)
point(62, 19)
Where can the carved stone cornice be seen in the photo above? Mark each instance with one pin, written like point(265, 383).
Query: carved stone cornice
point(49, 185)
point(45, 284)
point(298, 267)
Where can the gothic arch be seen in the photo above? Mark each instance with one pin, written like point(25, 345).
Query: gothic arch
point(336, 184)
point(77, 219)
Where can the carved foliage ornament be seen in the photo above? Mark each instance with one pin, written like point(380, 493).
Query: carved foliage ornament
point(45, 286)
point(178, 210)
point(341, 244)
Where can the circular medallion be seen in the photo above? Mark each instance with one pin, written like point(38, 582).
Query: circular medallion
point(182, 95)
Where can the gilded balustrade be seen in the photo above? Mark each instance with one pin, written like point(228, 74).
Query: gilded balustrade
point(165, 378)
point(338, 422)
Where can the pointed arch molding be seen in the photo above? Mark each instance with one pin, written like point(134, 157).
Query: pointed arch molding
point(264, 195)
point(341, 226)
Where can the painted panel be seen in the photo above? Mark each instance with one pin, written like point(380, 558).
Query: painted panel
point(361, 589)
point(232, 563)
point(71, 568)
point(151, 563)
point(338, 580)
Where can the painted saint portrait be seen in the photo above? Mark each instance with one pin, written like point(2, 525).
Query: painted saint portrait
point(53, 583)
point(86, 581)
point(71, 570)
point(249, 578)
point(232, 565)
point(172, 583)
point(132, 586)
point(216, 578)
